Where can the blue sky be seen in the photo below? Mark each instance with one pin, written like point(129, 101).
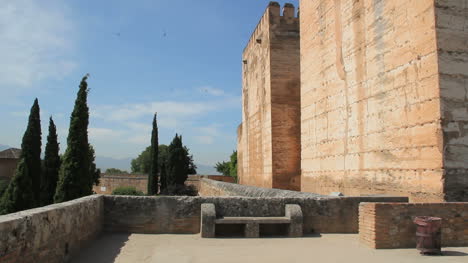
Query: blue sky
point(179, 58)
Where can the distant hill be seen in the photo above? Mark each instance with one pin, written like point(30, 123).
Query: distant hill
point(4, 147)
point(206, 169)
point(104, 163)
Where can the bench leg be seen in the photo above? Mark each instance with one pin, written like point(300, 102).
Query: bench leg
point(252, 230)
point(294, 212)
point(208, 217)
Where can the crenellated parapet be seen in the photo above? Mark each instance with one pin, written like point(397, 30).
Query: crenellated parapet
point(272, 18)
point(269, 138)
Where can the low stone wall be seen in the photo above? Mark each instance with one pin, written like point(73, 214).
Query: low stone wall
point(108, 183)
point(390, 225)
point(215, 188)
point(195, 180)
point(181, 215)
point(50, 234)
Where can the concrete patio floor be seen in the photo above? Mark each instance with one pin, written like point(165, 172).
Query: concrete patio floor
point(136, 248)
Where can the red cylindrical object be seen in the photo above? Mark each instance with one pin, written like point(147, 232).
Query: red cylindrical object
point(428, 235)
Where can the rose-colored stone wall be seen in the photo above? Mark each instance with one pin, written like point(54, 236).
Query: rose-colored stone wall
point(370, 99)
point(452, 38)
point(390, 225)
point(7, 168)
point(108, 183)
point(269, 137)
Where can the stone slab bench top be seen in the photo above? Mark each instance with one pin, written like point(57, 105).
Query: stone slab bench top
point(258, 220)
point(292, 218)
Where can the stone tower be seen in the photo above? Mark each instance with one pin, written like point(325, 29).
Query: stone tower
point(384, 98)
point(269, 136)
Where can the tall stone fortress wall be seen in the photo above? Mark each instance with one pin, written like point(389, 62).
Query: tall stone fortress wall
point(269, 136)
point(384, 98)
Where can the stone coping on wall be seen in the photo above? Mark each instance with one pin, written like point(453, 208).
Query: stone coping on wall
point(50, 234)
point(181, 215)
point(390, 225)
point(57, 232)
point(216, 188)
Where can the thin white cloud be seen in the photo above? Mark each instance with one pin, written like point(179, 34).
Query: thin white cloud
point(164, 108)
point(133, 120)
point(142, 139)
point(36, 38)
point(205, 139)
point(211, 91)
point(104, 134)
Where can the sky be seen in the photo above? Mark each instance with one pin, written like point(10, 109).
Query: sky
point(179, 58)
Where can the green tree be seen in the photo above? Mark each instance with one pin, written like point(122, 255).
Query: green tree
point(163, 152)
point(192, 168)
point(24, 189)
point(178, 162)
point(228, 168)
point(3, 186)
point(95, 174)
point(76, 175)
point(115, 171)
point(153, 173)
point(51, 166)
point(142, 163)
point(223, 168)
point(19, 195)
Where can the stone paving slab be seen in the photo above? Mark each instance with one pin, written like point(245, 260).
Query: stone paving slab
point(138, 248)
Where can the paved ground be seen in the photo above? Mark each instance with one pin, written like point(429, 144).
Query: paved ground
point(193, 249)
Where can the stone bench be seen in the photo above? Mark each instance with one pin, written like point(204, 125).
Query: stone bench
point(292, 218)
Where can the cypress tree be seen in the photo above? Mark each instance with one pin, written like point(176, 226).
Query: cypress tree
point(74, 176)
point(19, 195)
point(178, 163)
point(163, 178)
point(153, 174)
point(95, 174)
point(24, 189)
point(162, 161)
point(51, 166)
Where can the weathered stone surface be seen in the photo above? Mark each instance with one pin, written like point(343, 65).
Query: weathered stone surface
point(195, 179)
point(269, 137)
point(294, 213)
point(252, 230)
point(215, 188)
point(390, 225)
point(292, 218)
point(181, 215)
point(336, 194)
point(108, 183)
point(50, 234)
point(208, 218)
point(452, 36)
point(383, 98)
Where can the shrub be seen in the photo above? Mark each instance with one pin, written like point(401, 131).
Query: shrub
point(3, 186)
point(180, 190)
point(127, 190)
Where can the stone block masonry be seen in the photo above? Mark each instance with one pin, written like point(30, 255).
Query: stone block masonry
point(383, 98)
point(390, 225)
point(269, 137)
point(215, 188)
point(57, 232)
point(108, 183)
point(181, 215)
point(52, 234)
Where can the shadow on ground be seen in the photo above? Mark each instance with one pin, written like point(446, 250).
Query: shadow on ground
point(454, 253)
point(105, 249)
